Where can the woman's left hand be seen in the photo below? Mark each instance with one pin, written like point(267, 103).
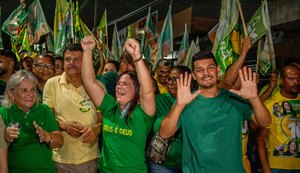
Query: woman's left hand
point(43, 135)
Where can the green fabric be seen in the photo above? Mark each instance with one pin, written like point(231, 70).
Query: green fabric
point(164, 103)
point(109, 81)
point(212, 139)
point(124, 139)
point(26, 153)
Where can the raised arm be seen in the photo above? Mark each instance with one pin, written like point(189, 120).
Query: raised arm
point(168, 126)
point(147, 97)
point(231, 74)
point(262, 150)
point(101, 59)
point(272, 85)
point(249, 91)
point(93, 88)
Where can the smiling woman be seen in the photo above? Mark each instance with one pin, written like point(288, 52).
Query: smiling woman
point(31, 128)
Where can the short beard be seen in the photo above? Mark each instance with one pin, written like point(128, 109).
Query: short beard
point(3, 71)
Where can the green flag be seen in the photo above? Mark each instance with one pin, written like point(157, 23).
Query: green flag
point(266, 54)
point(222, 48)
point(149, 42)
point(257, 25)
point(103, 34)
point(193, 49)
point(116, 47)
point(184, 46)
point(37, 24)
point(14, 23)
point(165, 40)
point(61, 8)
point(1, 42)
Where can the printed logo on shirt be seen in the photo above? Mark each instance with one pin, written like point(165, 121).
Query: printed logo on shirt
point(85, 105)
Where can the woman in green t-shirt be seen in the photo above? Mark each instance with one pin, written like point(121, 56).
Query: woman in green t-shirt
point(31, 128)
point(164, 103)
point(127, 118)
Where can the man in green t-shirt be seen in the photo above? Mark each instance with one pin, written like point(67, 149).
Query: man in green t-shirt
point(211, 118)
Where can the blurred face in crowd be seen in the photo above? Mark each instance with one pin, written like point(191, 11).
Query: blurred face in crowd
point(290, 80)
point(27, 63)
point(109, 67)
point(206, 73)
point(3, 64)
point(172, 85)
point(163, 73)
point(24, 95)
point(59, 68)
point(73, 63)
point(43, 68)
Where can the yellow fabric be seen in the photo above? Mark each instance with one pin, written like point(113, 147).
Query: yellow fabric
point(277, 88)
point(283, 129)
point(162, 89)
point(71, 104)
point(245, 133)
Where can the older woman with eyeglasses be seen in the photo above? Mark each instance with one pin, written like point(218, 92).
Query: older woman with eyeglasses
point(31, 129)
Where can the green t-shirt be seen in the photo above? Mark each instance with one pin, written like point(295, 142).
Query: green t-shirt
point(124, 138)
point(212, 139)
point(109, 80)
point(26, 154)
point(164, 103)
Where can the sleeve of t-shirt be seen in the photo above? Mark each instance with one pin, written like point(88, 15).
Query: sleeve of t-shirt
point(52, 124)
point(49, 93)
point(108, 103)
point(3, 144)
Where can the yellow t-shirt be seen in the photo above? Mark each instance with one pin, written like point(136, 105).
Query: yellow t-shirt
point(71, 104)
point(284, 138)
point(245, 133)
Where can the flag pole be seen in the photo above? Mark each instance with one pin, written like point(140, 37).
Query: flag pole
point(242, 18)
point(258, 53)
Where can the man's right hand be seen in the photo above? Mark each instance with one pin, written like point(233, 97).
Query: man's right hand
point(73, 128)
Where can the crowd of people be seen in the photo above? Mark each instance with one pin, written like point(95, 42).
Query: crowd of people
point(60, 114)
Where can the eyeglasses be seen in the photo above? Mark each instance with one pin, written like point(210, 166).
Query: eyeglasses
point(172, 79)
point(42, 66)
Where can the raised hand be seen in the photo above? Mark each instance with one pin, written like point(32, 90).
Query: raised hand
point(184, 95)
point(273, 81)
point(133, 48)
point(246, 44)
point(88, 43)
point(248, 84)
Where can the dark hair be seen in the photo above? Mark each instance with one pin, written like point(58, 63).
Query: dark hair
point(127, 59)
point(9, 54)
point(182, 69)
point(114, 62)
point(164, 62)
point(283, 69)
point(73, 47)
point(203, 55)
point(45, 56)
point(134, 101)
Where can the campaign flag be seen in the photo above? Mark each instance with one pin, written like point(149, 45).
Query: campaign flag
point(257, 25)
point(14, 23)
point(103, 34)
point(116, 48)
point(222, 48)
point(60, 12)
point(165, 40)
point(184, 46)
point(193, 49)
point(37, 25)
point(149, 41)
point(266, 54)
point(1, 42)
